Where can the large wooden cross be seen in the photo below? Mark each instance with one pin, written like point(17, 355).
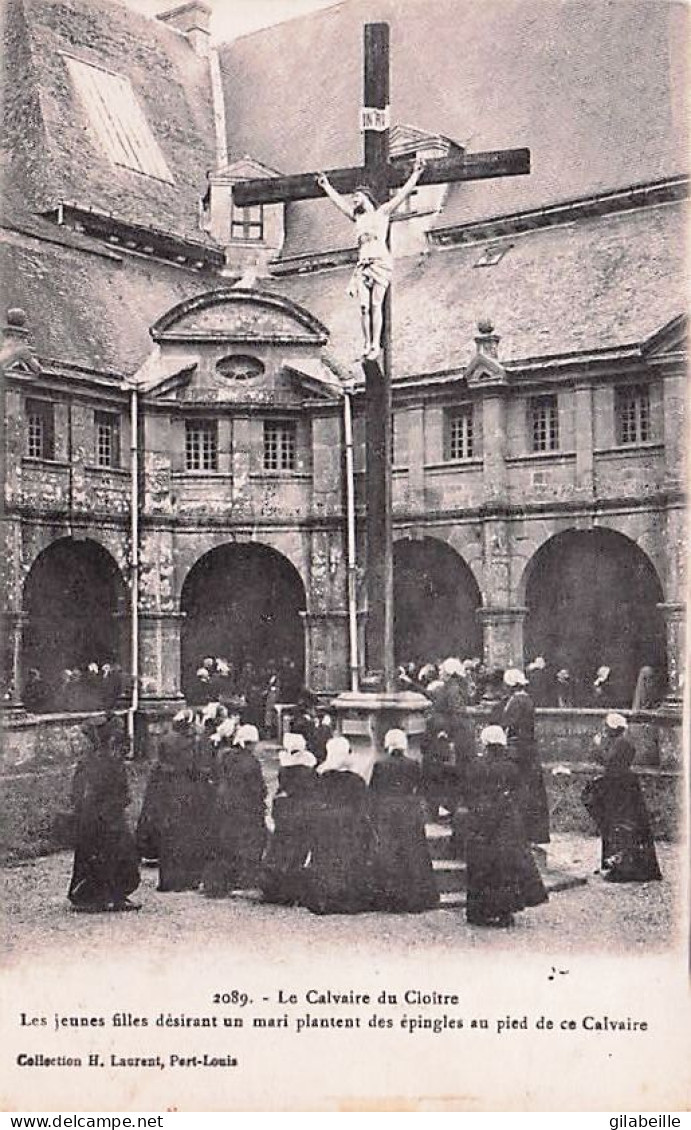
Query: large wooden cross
point(381, 176)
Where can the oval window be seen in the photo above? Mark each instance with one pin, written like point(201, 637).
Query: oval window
point(239, 367)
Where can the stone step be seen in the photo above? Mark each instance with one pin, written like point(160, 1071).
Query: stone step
point(452, 900)
point(450, 875)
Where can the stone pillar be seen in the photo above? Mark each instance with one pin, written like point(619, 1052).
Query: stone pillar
point(159, 657)
point(13, 625)
point(503, 636)
point(585, 478)
point(674, 388)
point(674, 616)
point(326, 650)
point(416, 457)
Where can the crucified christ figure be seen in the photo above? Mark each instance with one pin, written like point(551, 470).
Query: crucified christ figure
point(372, 274)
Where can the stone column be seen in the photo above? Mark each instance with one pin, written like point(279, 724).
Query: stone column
point(13, 624)
point(674, 616)
point(416, 457)
point(326, 650)
point(585, 477)
point(675, 431)
point(503, 635)
point(159, 657)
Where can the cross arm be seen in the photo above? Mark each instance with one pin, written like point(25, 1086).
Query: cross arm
point(300, 186)
point(303, 186)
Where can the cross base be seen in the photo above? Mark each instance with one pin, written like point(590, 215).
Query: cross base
point(365, 716)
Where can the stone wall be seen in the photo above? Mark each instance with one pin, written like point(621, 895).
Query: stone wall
point(39, 755)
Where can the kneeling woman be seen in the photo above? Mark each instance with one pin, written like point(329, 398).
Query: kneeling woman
point(615, 802)
point(502, 875)
point(402, 871)
point(293, 811)
point(339, 871)
point(238, 828)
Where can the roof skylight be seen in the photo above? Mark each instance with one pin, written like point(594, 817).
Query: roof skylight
point(118, 119)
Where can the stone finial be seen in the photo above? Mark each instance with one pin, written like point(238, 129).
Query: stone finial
point(486, 340)
point(16, 317)
point(15, 346)
point(191, 20)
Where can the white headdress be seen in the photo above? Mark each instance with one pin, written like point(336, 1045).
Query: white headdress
point(493, 735)
point(245, 734)
point(615, 721)
point(514, 677)
point(451, 667)
point(295, 752)
point(338, 756)
point(396, 739)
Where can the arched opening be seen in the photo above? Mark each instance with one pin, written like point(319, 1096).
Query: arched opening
point(76, 604)
point(436, 599)
point(242, 602)
point(592, 599)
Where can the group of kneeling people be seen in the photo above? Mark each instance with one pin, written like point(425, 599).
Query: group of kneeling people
point(339, 845)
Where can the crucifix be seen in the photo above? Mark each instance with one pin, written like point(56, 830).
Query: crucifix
point(376, 178)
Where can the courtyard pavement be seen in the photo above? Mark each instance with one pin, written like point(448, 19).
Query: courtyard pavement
point(598, 917)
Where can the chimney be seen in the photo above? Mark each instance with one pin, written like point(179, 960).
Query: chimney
point(192, 21)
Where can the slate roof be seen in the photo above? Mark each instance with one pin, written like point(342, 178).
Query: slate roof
point(56, 153)
point(596, 89)
point(92, 308)
point(603, 282)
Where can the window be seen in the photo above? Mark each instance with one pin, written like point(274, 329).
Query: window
point(107, 439)
point(544, 423)
point(458, 441)
point(247, 223)
point(279, 445)
point(118, 119)
point(40, 430)
point(633, 414)
point(201, 445)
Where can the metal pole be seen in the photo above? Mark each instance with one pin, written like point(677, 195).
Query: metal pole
point(351, 543)
point(134, 575)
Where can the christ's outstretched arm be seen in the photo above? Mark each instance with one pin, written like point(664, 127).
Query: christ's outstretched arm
point(405, 190)
point(340, 201)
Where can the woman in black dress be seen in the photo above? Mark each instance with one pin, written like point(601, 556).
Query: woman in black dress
point(519, 722)
point(616, 803)
point(180, 808)
point(338, 879)
point(238, 824)
point(502, 875)
point(403, 877)
point(293, 812)
point(106, 864)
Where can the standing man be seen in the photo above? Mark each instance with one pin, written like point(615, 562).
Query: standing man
point(372, 274)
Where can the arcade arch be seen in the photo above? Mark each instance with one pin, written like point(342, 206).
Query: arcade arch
point(75, 602)
point(242, 602)
point(436, 598)
point(592, 599)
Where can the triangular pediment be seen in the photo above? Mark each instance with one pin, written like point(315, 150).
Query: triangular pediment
point(245, 168)
point(406, 140)
point(672, 338)
point(485, 370)
point(16, 358)
point(237, 316)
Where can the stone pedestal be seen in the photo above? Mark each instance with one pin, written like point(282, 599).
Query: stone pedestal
point(364, 718)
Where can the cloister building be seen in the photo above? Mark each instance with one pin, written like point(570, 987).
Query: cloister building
point(539, 341)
